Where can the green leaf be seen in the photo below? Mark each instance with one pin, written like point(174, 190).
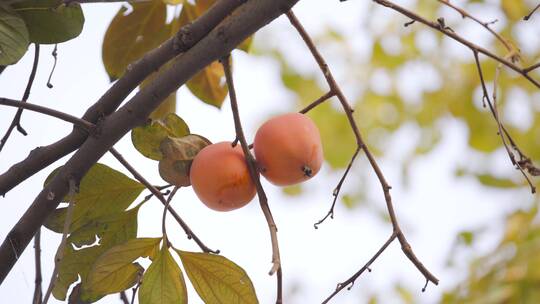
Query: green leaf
point(131, 35)
point(217, 279)
point(102, 191)
point(13, 36)
point(163, 281)
point(50, 21)
point(147, 139)
point(492, 181)
point(115, 271)
point(112, 229)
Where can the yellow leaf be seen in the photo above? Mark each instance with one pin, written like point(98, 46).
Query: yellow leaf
point(217, 279)
point(209, 85)
point(102, 191)
point(173, 2)
point(115, 271)
point(131, 35)
point(112, 229)
point(163, 281)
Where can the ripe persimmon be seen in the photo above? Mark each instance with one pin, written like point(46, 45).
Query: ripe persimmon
point(288, 149)
point(220, 177)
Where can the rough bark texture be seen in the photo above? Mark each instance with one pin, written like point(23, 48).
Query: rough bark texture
point(243, 22)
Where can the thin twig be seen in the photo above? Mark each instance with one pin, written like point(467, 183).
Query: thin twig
point(162, 199)
point(16, 122)
point(135, 292)
point(436, 26)
point(532, 67)
point(317, 102)
point(164, 217)
point(254, 174)
point(501, 129)
point(124, 297)
point(55, 57)
point(531, 13)
point(62, 247)
point(486, 25)
point(38, 292)
point(48, 111)
point(336, 191)
point(349, 282)
point(405, 246)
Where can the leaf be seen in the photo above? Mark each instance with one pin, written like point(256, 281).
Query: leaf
point(173, 2)
point(112, 229)
point(147, 138)
point(50, 21)
point(163, 281)
point(13, 36)
point(115, 271)
point(217, 279)
point(102, 191)
point(131, 35)
point(208, 84)
point(514, 9)
point(178, 154)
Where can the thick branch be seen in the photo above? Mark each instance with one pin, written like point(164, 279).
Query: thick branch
point(186, 37)
point(248, 18)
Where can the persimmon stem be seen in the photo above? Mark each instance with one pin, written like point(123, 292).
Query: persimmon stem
point(255, 176)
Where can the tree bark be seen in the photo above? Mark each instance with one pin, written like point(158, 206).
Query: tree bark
point(243, 22)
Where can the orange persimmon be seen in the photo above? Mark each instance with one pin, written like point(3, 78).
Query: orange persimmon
point(220, 177)
point(288, 149)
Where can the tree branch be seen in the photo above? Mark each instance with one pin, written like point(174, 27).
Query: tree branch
point(350, 282)
point(456, 37)
point(247, 19)
point(38, 293)
point(334, 87)
point(16, 122)
point(162, 199)
point(486, 25)
point(48, 111)
point(184, 39)
point(255, 177)
point(531, 13)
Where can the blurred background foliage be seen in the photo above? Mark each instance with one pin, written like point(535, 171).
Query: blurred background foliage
point(412, 77)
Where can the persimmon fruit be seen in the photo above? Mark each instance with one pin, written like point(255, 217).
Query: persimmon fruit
point(220, 177)
point(288, 149)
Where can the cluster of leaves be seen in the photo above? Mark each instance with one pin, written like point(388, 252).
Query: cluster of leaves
point(133, 32)
point(102, 249)
point(509, 274)
point(36, 21)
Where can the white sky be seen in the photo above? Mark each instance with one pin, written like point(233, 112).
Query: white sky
point(432, 210)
